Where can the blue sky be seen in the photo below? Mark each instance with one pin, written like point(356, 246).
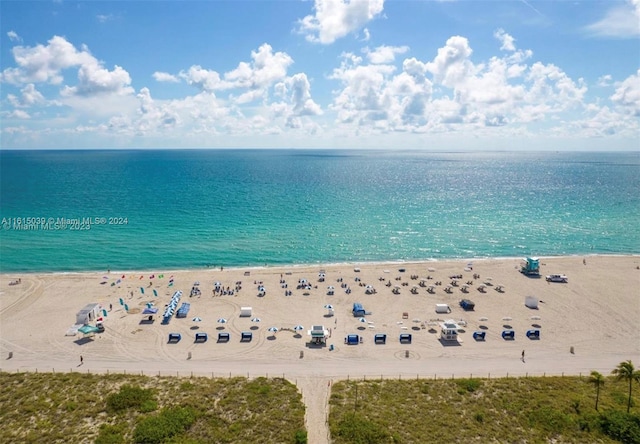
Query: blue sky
point(394, 74)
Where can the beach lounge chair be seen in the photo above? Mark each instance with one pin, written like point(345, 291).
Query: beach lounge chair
point(508, 335)
point(224, 337)
point(405, 338)
point(533, 334)
point(201, 337)
point(174, 338)
point(479, 335)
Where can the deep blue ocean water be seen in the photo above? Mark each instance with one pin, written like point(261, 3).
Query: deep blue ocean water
point(199, 208)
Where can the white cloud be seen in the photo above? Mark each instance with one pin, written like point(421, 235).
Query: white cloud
point(451, 66)
point(366, 35)
point(42, 63)
point(384, 54)
point(508, 42)
point(103, 18)
point(165, 77)
point(93, 79)
point(605, 80)
point(13, 36)
point(622, 20)
point(203, 79)
point(29, 96)
point(18, 114)
point(335, 19)
point(297, 92)
point(627, 94)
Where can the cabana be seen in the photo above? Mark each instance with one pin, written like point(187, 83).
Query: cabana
point(531, 302)
point(352, 340)
point(246, 336)
point(531, 267)
point(201, 337)
point(88, 314)
point(479, 335)
point(224, 337)
point(358, 310)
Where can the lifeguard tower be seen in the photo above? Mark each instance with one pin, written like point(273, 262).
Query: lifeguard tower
point(318, 334)
point(449, 331)
point(531, 267)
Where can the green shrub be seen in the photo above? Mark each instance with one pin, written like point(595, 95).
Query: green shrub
point(356, 429)
point(130, 397)
point(622, 426)
point(168, 423)
point(549, 419)
point(470, 385)
point(110, 435)
point(300, 437)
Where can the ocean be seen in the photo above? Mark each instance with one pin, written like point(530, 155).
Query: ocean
point(69, 210)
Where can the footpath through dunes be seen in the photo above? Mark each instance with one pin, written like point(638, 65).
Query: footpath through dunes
point(589, 323)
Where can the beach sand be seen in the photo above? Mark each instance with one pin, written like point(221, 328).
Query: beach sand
point(589, 323)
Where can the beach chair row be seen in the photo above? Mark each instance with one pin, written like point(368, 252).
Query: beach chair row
point(507, 335)
point(245, 336)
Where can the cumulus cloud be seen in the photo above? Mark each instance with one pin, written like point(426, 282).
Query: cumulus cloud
point(622, 20)
point(452, 64)
point(29, 96)
point(255, 77)
point(335, 19)
point(13, 36)
point(384, 54)
point(627, 94)
point(508, 42)
point(45, 63)
point(18, 114)
point(165, 77)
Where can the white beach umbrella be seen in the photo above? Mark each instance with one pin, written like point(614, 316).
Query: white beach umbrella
point(255, 320)
point(330, 287)
point(362, 320)
point(196, 319)
point(298, 327)
point(222, 321)
point(273, 329)
point(328, 307)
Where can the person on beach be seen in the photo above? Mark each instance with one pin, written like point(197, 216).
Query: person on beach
point(522, 355)
point(81, 360)
point(110, 307)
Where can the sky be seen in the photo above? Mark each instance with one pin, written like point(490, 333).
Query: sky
point(382, 74)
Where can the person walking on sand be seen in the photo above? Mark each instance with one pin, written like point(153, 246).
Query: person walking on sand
point(81, 360)
point(522, 355)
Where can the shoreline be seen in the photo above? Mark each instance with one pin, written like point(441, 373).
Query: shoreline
point(319, 264)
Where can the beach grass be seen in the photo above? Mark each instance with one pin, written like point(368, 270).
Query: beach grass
point(532, 410)
point(110, 409)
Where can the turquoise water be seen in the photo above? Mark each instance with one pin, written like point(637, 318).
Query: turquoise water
point(193, 208)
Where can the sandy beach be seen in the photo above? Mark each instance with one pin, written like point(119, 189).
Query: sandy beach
point(588, 323)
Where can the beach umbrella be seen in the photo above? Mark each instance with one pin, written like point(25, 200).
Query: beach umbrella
point(196, 283)
point(273, 329)
point(298, 327)
point(362, 320)
point(255, 320)
point(196, 319)
point(330, 287)
point(328, 307)
point(221, 321)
